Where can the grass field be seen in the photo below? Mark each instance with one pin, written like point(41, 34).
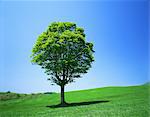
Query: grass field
point(132, 101)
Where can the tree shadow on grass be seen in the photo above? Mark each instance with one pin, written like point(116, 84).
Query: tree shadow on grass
point(77, 104)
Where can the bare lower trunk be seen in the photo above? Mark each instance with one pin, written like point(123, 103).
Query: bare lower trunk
point(62, 96)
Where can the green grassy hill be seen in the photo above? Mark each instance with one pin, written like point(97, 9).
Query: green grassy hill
point(132, 101)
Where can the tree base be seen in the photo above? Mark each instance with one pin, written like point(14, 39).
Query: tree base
point(63, 104)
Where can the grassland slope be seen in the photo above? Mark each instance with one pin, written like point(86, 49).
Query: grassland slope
point(131, 101)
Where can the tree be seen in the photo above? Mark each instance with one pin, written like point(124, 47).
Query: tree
point(64, 53)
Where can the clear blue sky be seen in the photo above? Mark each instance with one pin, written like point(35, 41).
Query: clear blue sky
point(119, 31)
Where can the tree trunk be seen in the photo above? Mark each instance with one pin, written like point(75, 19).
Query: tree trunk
point(62, 95)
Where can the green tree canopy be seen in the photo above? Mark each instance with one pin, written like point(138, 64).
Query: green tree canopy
point(63, 52)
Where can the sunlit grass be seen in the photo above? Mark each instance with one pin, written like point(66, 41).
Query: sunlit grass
point(120, 102)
